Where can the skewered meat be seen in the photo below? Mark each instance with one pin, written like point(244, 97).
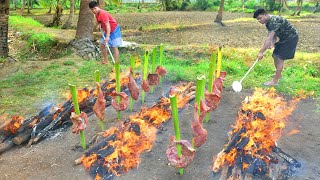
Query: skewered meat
point(79, 122)
point(198, 132)
point(100, 104)
point(133, 87)
point(212, 100)
point(153, 79)
point(145, 86)
point(161, 71)
point(123, 101)
point(187, 153)
point(203, 110)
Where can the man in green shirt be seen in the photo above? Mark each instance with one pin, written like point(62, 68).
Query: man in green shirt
point(284, 48)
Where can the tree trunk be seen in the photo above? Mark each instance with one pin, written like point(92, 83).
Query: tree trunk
point(29, 4)
point(219, 15)
point(50, 10)
point(316, 7)
point(4, 15)
point(68, 23)
point(23, 6)
point(85, 21)
point(298, 9)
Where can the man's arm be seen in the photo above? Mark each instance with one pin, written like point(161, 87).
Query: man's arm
point(108, 32)
point(267, 43)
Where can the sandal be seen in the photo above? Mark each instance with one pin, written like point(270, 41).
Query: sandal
point(270, 83)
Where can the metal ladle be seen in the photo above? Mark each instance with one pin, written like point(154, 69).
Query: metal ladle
point(236, 85)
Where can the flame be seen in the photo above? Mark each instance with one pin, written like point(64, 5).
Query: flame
point(82, 95)
point(294, 131)
point(155, 115)
point(14, 124)
point(134, 136)
point(263, 116)
point(124, 80)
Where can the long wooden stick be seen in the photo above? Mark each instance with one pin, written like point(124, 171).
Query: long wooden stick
point(175, 117)
point(77, 110)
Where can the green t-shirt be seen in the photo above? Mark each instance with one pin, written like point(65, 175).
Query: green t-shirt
point(283, 29)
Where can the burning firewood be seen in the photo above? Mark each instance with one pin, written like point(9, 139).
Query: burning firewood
point(252, 143)
point(120, 147)
point(186, 150)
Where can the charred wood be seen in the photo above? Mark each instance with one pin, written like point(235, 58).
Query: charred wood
point(22, 137)
point(242, 143)
point(236, 137)
point(101, 144)
point(64, 114)
point(293, 162)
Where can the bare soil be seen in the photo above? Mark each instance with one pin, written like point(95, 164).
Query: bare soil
point(53, 158)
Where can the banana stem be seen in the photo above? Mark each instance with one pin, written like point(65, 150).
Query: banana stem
point(77, 110)
point(174, 107)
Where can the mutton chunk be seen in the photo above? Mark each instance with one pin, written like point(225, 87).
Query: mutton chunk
point(198, 132)
point(153, 79)
point(187, 153)
point(133, 87)
point(124, 101)
point(100, 104)
point(212, 100)
point(79, 122)
point(145, 86)
point(161, 71)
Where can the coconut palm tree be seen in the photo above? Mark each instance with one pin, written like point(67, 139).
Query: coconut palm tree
point(4, 15)
point(85, 21)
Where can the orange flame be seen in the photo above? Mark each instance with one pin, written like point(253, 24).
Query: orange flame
point(262, 132)
point(82, 95)
point(14, 124)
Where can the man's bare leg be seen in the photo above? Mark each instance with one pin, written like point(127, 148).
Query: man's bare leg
point(116, 54)
point(279, 64)
point(104, 53)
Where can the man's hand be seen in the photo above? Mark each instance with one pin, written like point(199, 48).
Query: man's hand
point(106, 40)
point(260, 55)
point(98, 27)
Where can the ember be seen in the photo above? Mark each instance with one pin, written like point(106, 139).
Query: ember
point(252, 147)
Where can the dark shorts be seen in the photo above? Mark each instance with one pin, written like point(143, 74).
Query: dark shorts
point(286, 50)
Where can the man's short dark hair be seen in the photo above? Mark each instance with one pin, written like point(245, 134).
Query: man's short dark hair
point(258, 12)
point(93, 4)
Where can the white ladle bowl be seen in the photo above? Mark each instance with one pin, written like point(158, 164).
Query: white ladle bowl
point(236, 86)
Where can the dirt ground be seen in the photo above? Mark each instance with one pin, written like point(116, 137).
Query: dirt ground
point(53, 158)
point(191, 28)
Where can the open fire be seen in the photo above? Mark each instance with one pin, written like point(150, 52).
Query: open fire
point(120, 147)
point(252, 148)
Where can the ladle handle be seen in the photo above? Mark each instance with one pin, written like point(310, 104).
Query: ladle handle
point(255, 62)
